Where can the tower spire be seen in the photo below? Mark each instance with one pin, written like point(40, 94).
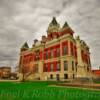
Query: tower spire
point(54, 26)
point(65, 25)
point(54, 21)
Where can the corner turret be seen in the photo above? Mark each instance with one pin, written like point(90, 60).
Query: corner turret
point(24, 47)
point(66, 29)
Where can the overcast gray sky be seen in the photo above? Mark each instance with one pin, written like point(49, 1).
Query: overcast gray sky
point(25, 20)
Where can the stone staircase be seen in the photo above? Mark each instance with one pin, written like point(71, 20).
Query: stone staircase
point(82, 80)
point(32, 76)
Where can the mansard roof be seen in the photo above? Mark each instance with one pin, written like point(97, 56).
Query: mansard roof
point(65, 25)
point(67, 28)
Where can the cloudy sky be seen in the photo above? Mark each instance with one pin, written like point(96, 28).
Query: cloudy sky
point(25, 20)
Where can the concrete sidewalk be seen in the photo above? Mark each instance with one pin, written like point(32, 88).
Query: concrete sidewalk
point(9, 80)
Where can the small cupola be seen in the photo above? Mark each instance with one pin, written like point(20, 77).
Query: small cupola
point(24, 47)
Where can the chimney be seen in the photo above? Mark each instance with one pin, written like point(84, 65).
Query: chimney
point(44, 38)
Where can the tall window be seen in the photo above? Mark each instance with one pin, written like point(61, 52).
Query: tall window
point(51, 53)
point(65, 76)
point(51, 76)
point(45, 68)
point(58, 52)
point(58, 66)
point(72, 65)
point(46, 54)
point(73, 76)
point(64, 50)
point(54, 53)
point(37, 55)
point(65, 65)
point(36, 68)
point(58, 77)
point(76, 66)
point(51, 67)
point(71, 47)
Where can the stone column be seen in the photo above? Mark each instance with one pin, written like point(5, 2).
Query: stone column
point(61, 64)
point(69, 48)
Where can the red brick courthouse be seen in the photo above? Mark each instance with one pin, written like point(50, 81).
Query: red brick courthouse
point(57, 56)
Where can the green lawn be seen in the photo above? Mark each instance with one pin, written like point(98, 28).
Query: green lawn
point(43, 91)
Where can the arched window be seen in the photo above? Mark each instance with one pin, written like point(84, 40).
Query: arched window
point(58, 66)
point(72, 65)
point(65, 65)
point(64, 50)
point(51, 67)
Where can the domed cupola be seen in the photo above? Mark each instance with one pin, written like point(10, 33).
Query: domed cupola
point(54, 26)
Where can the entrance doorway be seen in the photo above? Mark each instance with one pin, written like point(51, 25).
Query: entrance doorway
point(65, 76)
point(58, 77)
point(51, 76)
